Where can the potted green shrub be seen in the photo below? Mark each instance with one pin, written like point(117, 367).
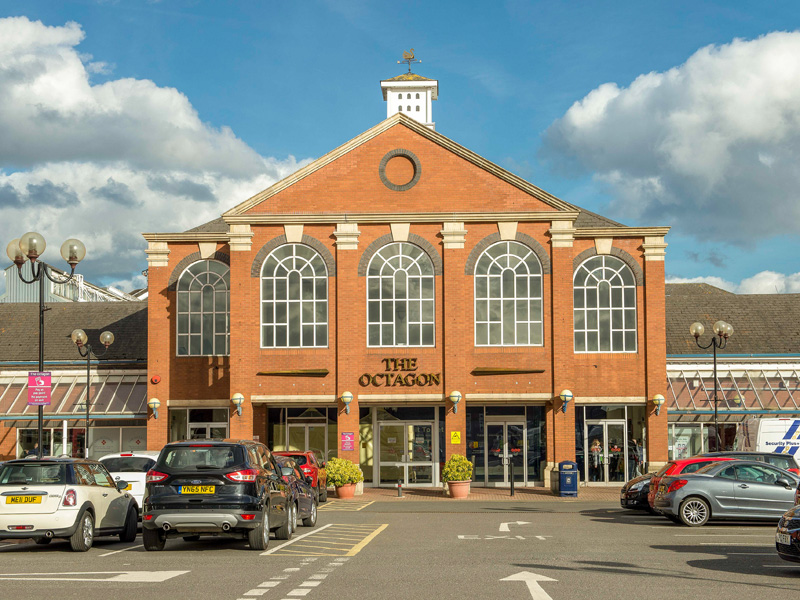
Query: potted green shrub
point(344, 474)
point(457, 473)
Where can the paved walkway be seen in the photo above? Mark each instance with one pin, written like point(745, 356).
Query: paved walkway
point(530, 494)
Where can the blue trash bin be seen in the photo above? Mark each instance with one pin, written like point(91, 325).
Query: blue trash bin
point(568, 478)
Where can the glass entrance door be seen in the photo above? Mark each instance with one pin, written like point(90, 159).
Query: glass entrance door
point(200, 431)
point(308, 437)
point(405, 453)
point(506, 445)
point(607, 453)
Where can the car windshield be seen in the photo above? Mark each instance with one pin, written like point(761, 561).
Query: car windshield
point(38, 474)
point(782, 462)
point(128, 464)
point(200, 457)
point(663, 469)
point(706, 468)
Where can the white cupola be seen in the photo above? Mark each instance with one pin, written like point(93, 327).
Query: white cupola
point(411, 94)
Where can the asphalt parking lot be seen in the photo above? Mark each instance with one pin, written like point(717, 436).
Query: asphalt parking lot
point(366, 549)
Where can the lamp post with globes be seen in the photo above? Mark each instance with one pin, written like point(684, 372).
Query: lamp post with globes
point(30, 247)
point(80, 338)
point(722, 331)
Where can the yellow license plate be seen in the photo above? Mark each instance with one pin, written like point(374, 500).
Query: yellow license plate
point(197, 489)
point(23, 499)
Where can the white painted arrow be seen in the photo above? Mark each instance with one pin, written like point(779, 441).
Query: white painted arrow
point(504, 526)
point(532, 581)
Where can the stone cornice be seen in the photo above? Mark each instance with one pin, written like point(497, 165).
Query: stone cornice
point(188, 236)
point(619, 232)
point(433, 217)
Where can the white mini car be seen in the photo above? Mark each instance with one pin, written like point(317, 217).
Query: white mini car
point(64, 498)
point(131, 467)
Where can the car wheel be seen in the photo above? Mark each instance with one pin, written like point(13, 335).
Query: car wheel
point(311, 519)
point(284, 532)
point(324, 497)
point(43, 541)
point(259, 537)
point(694, 512)
point(131, 521)
point(153, 539)
point(191, 538)
point(82, 539)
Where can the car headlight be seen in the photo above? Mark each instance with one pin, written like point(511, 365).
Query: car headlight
point(637, 486)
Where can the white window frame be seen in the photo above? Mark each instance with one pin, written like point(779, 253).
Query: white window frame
point(507, 257)
point(292, 260)
point(621, 272)
point(419, 257)
point(225, 279)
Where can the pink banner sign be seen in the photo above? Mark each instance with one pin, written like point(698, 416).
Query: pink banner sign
point(39, 388)
point(348, 440)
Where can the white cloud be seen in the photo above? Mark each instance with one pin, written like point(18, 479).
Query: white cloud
point(712, 144)
point(106, 162)
point(765, 282)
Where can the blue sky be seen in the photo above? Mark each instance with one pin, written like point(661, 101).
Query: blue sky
point(131, 116)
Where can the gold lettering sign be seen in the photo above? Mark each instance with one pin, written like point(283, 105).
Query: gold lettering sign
point(400, 372)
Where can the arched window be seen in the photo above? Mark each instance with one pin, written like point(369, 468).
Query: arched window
point(400, 297)
point(417, 96)
point(408, 108)
point(604, 306)
point(294, 298)
point(508, 296)
point(203, 298)
point(408, 96)
point(417, 107)
point(399, 109)
point(399, 96)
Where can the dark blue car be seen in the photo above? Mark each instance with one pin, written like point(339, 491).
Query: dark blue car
point(302, 494)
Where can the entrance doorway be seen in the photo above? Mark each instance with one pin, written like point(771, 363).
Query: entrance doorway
point(506, 450)
point(406, 453)
point(308, 437)
point(199, 431)
point(606, 452)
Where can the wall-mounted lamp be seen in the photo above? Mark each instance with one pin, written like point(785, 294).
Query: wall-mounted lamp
point(566, 397)
point(238, 400)
point(154, 403)
point(347, 398)
point(658, 401)
point(455, 398)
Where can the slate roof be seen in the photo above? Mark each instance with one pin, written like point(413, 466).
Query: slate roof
point(762, 323)
point(19, 330)
point(218, 225)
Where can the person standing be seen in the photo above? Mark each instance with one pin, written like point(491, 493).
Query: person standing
point(634, 459)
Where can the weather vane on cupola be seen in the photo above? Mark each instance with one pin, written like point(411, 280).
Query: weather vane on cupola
point(408, 58)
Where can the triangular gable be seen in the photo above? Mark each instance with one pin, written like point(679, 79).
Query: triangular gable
point(502, 177)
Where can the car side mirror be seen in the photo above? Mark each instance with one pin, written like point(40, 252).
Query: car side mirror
point(121, 485)
point(784, 482)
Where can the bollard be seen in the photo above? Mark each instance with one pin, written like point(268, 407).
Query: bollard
point(511, 465)
point(399, 488)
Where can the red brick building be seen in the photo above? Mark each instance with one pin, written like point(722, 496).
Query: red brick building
point(406, 271)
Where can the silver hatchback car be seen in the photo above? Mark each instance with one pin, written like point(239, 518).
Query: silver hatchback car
point(727, 490)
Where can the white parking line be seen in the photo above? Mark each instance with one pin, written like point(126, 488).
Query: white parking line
point(292, 541)
point(123, 550)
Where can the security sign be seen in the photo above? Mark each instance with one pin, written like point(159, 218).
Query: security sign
point(455, 437)
point(39, 388)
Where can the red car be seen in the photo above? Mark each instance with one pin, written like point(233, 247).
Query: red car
point(677, 467)
point(311, 467)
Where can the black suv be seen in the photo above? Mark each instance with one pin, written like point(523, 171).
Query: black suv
point(214, 487)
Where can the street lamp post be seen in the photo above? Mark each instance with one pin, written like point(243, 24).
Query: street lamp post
point(723, 331)
point(30, 247)
point(80, 338)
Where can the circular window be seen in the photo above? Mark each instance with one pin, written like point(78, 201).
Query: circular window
point(399, 170)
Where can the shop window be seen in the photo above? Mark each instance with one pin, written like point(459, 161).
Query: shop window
point(417, 96)
point(294, 298)
point(508, 296)
point(203, 299)
point(400, 297)
point(604, 306)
